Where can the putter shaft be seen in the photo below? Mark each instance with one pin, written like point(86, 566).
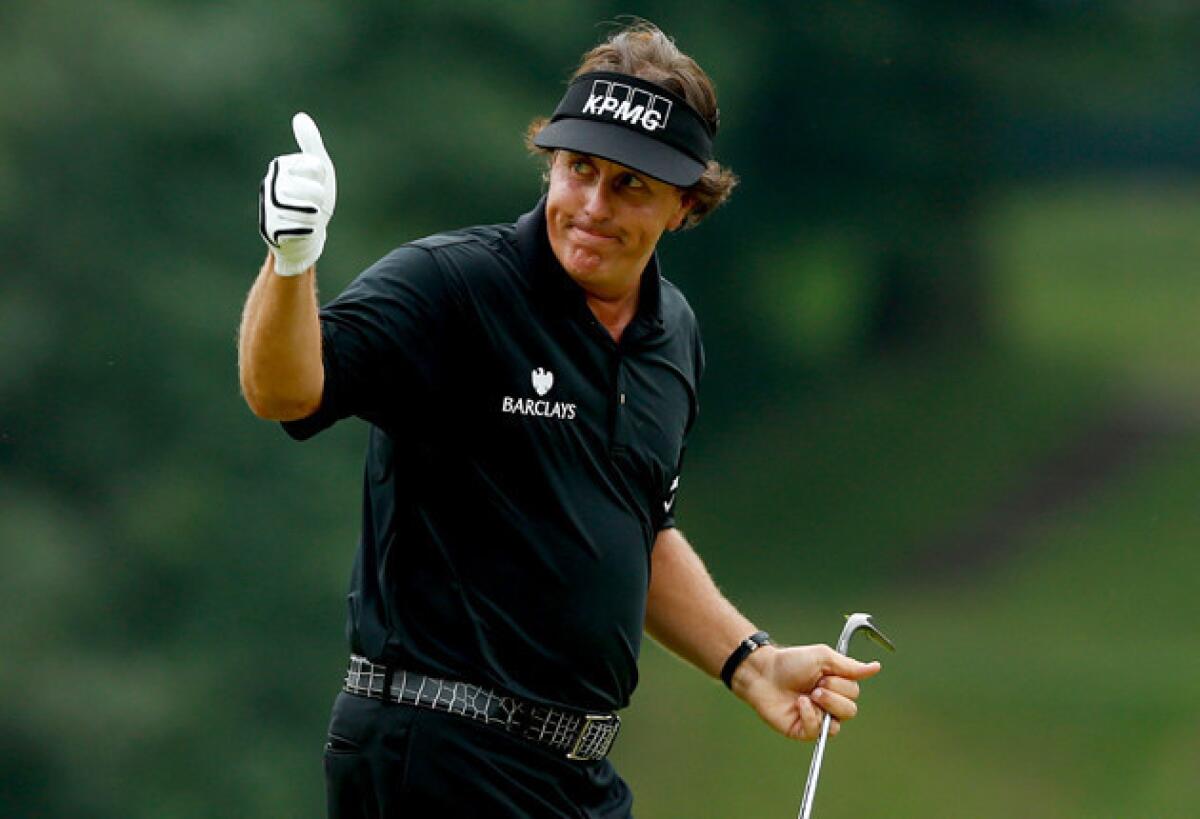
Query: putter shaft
point(814, 770)
point(854, 622)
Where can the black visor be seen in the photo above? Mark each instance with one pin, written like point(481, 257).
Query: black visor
point(636, 123)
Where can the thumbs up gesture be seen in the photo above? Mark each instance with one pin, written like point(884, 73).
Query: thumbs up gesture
point(296, 200)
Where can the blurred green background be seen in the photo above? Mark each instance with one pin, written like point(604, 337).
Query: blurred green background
point(951, 323)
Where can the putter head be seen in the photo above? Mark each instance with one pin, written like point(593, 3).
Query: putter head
point(862, 621)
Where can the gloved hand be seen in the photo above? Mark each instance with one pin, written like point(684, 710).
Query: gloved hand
point(296, 200)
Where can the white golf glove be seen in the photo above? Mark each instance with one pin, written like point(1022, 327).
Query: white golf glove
point(296, 200)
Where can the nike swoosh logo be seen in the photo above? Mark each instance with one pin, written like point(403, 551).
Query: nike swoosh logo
point(669, 503)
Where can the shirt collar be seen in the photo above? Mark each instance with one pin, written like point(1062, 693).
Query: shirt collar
point(548, 277)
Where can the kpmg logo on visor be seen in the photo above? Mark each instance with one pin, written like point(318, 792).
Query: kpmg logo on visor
point(628, 104)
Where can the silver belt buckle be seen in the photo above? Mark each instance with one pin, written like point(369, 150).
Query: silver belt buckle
point(596, 737)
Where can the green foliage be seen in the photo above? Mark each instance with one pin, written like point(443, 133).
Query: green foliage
point(1104, 271)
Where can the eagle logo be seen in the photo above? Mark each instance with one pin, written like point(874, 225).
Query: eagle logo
point(543, 380)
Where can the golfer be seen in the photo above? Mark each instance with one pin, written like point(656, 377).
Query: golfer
point(529, 389)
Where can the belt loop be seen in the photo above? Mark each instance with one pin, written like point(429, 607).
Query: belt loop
point(388, 674)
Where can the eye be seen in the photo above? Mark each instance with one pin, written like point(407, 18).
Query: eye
point(579, 166)
point(631, 181)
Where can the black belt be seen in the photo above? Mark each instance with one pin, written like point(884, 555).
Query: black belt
point(578, 735)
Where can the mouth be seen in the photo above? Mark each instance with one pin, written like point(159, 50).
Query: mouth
point(587, 234)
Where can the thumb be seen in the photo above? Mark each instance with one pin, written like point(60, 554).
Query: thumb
point(850, 668)
point(308, 137)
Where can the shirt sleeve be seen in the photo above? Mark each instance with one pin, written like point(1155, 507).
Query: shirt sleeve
point(668, 519)
point(382, 340)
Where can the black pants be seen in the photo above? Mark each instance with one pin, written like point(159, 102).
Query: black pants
point(384, 760)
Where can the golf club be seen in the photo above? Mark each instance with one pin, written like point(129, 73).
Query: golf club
point(854, 622)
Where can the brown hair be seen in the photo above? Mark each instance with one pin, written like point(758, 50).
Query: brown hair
point(643, 50)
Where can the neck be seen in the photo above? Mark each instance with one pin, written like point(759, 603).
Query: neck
point(614, 313)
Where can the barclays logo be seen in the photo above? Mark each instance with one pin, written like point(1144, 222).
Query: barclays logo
point(543, 380)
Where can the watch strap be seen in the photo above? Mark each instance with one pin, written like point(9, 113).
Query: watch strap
point(744, 649)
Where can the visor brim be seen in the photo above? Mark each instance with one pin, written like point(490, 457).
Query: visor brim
point(619, 144)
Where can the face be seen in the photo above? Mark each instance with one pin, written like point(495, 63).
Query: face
point(604, 220)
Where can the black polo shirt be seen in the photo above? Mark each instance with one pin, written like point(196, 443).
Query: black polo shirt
point(519, 466)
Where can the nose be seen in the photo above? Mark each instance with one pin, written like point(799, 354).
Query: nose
point(598, 204)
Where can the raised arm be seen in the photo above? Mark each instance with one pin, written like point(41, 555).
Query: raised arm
point(279, 342)
point(279, 345)
point(790, 688)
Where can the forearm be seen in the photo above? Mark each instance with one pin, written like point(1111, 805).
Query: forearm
point(686, 612)
point(279, 346)
point(791, 689)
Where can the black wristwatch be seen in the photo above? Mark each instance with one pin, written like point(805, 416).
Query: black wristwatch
point(745, 648)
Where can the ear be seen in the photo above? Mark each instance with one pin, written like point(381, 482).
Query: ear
point(686, 202)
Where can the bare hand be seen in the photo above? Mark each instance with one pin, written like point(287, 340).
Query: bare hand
point(793, 688)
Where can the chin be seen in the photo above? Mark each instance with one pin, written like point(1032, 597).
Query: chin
point(585, 272)
point(591, 264)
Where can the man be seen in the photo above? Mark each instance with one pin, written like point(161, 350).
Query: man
point(529, 389)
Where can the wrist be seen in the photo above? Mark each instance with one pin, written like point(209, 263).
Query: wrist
point(750, 672)
point(288, 266)
point(741, 654)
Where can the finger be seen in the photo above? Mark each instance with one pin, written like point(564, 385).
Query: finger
point(834, 704)
point(294, 221)
point(809, 717)
point(285, 234)
point(847, 688)
point(284, 239)
point(844, 666)
point(834, 727)
point(303, 165)
point(299, 189)
point(308, 137)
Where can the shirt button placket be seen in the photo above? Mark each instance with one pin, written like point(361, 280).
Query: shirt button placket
point(620, 414)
